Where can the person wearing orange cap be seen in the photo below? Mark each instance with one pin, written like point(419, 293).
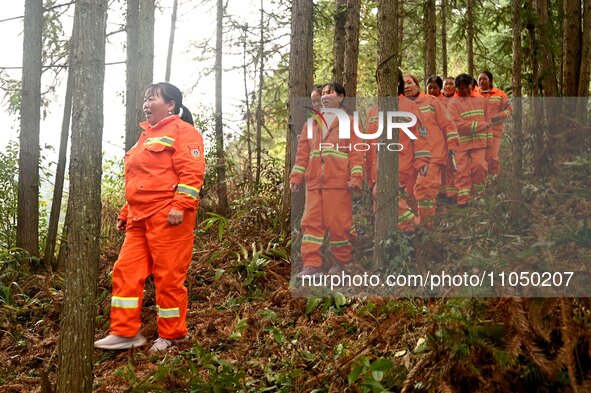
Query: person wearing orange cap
point(332, 168)
point(471, 116)
point(441, 133)
point(500, 110)
point(164, 171)
point(413, 161)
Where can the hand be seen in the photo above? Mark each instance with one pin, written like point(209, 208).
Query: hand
point(121, 225)
point(175, 216)
point(423, 170)
point(354, 188)
point(294, 187)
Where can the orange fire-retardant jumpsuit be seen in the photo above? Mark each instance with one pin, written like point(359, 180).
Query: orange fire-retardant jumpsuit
point(329, 164)
point(500, 110)
point(471, 116)
point(163, 170)
point(441, 133)
point(448, 187)
point(414, 155)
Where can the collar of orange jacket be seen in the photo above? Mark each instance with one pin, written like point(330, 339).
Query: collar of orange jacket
point(146, 125)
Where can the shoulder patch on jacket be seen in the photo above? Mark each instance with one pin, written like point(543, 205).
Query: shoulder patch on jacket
point(195, 151)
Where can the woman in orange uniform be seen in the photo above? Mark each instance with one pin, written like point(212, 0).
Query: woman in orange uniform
point(471, 116)
point(163, 174)
point(441, 132)
point(500, 110)
point(413, 160)
point(449, 89)
point(332, 168)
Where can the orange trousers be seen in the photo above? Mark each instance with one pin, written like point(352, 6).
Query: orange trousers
point(417, 187)
point(327, 210)
point(406, 217)
point(432, 182)
point(492, 155)
point(152, 246)
point(472, 170)
point(448, 187)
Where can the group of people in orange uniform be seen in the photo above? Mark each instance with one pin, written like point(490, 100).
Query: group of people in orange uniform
point(458, 138)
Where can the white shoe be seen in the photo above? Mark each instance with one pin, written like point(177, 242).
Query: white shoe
point(163, 344)
point(119, 342)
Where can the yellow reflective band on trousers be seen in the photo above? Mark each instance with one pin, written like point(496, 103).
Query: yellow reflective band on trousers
point(187, 190)
point(125, 302)
point(168, 312)
point(340, 243)
point(312, 239)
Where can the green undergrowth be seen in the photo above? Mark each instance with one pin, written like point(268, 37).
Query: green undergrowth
point(250, 334)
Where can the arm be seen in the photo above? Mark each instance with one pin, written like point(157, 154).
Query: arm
point(302, 157)
point(356, 159)
point(420, 146)
point(447, 125)
point(506, 110)
point(467, 127)
point(189, 162)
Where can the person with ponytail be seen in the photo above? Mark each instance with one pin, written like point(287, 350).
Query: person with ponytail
point(164, 171)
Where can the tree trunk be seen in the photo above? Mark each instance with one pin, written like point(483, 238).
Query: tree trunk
point(27, 229)
point(81, 270)
point(340, 21)
point(585, 69)
point(260, 99)
point(443, 19)
point(387, 78)
point(547, 69)
point(301, 69)
point(351, 49)
point(146, 59)
point(430, 42)
point(132, 73)
point(171, 40)
point(542, 162)
point(140, 64)
point(534, 47)
point(517, 141)
point(571, 55)
point(219, 127)
point(60, 171)
point(470, 35)
point(401, 17)
point(247, 102)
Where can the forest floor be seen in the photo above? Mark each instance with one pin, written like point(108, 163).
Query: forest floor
point(250, 333)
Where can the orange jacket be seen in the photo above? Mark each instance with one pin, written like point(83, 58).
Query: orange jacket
point(165, 167)
point(415, 153)
point(330, 162)
point(442, 99)
point(472, 117)
point(441, 130)
point(500, 109)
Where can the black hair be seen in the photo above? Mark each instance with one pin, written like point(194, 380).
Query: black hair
point(463, 78)
point(336, 87)
point(170, 92)
point(490, 76)
point(437, 79)
point(400, 89)
point(317, 89)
